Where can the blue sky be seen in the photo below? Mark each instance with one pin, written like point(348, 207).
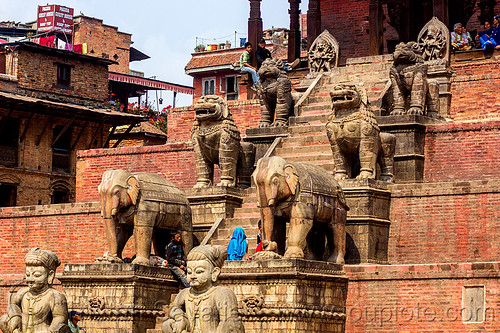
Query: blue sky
point(166, 30)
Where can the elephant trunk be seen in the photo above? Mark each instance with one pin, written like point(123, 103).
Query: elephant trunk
point(267, 216)
point(272, 198)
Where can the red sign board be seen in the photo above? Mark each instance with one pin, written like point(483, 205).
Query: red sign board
point(55, 18)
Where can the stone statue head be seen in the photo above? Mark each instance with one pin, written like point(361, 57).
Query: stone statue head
point(271, 68)
point(211, 107)
point(41, 268)
point(408, 53)
point(204, 266)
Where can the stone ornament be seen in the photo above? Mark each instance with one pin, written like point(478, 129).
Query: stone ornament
point(412, 92)
point(138, 203)
point(205, 306)
point(38, 308)
point(252, 305)
point(216, 140)
point(353, 130)
point(434, 40)
point(275, 94)
point(311, 199)
point(323, 54)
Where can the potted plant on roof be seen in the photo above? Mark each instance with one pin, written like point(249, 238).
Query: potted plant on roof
point(228, 45)
point(221, 46)
point(199, 48)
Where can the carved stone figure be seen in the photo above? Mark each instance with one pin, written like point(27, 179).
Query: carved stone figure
point(205, 306)
point(434, 40)
point(38, 308)
point(138, 203)
point(324, 53)
point(216, 140)
point(412, 92)
point(313, 201)
point(275, 93)
point(353, 131)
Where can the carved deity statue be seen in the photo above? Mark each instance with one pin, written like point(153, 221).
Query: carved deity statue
point(38, 308)
point(275, 94)
point(205, 307)
point(216, 140)
point(434, 40)
point(323, 54)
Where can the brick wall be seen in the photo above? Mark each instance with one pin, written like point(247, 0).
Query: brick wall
point(104, 41)
point(420, 298)
point(37, 72)
point(347, 21)
point(461, 152)
point(175, 161)
point(445, 222)
point(475, 89)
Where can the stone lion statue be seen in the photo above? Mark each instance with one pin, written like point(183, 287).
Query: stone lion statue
point(275, 93)
point(412, 92)
point(216, 140)
point(353, 132)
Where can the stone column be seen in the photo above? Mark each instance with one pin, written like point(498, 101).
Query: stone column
point(294, 34)
point(254, 27)
point(313, 21)
point(376, 27)
point(440, 10)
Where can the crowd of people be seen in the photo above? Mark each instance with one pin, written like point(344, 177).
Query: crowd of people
point(487, 39)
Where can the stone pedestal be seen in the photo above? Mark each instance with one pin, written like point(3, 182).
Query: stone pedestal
point(210, 203)
point(441, 71)
point(124, 298)
point(368, 221)
point(410, 143)
point(263, 138)
point(288, 295)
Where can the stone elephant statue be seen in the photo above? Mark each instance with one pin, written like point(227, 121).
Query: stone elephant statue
point(312, 200)
point(141, 203)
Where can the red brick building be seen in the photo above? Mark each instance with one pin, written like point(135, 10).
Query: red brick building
point(52, 103)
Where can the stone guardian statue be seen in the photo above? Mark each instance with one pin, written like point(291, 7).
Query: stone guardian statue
point(205, 307)
point(38, 308)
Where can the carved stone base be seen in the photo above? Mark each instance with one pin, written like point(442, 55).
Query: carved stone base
point(262, 138)
point(410, 143)
point(288, 295)
point(368, 221)
point(210, 203)
point(117, 297)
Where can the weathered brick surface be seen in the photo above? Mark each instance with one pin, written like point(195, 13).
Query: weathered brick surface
point(419, 298)
point(104, 41)
point(174, 160)
point(37, 73)
point(462, 151)
point(445, 222)
point(475, 90)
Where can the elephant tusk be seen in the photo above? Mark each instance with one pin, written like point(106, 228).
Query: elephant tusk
point(271, 202)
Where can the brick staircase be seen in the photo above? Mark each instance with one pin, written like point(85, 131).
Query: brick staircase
point(307, 141)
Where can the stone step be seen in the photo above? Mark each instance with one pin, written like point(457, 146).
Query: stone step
point(307, 119)
point(309, 140)
point(246, 210)
point(304, 150)
point(325, 157)
point(316, 128)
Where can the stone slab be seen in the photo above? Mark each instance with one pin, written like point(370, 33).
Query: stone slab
point(117, 297)
point(288, 295)
point(263, 138)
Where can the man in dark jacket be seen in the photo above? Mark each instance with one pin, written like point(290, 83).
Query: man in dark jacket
point(176, 258)
point(262, 53)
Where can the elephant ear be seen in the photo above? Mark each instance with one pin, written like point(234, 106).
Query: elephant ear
point(291, 178)
point(133, 189)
